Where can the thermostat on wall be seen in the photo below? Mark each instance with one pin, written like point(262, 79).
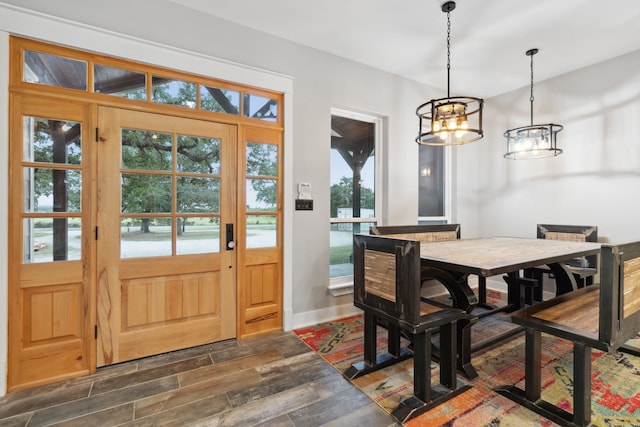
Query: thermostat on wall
point(304, 191)
point(304, 201)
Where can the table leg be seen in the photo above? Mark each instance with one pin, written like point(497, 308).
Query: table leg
point(464, 347)
point(565, 282)
point(482, 290)
point(513, 291)
point(456, 284)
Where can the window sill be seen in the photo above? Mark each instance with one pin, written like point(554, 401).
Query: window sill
point(341, 287)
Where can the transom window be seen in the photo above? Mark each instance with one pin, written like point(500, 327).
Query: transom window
point(78, 73)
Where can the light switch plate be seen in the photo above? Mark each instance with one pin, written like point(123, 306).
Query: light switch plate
point(304, 205)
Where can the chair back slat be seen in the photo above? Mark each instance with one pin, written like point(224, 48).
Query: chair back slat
point(571, 233)
point(380, 274)
point(567, 237)
point(631, 290)
point(436, 236)
point(424, 233)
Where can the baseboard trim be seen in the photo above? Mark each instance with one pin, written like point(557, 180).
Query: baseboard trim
point(310, 318)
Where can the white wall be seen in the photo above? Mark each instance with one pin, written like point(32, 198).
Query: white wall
point(596, 181)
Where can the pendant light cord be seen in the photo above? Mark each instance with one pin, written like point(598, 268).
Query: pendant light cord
point(531, 96)
point(448, 53)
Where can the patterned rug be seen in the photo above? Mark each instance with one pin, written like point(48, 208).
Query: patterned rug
point(615, 378)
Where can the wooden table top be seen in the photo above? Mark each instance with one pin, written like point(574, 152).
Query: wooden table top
point(498, 255)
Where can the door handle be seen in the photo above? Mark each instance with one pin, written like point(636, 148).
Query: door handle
point(229, 236)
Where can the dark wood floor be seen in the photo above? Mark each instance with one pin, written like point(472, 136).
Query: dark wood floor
point(274, 380)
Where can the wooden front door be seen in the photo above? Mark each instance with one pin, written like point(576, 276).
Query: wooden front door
point(166, 215)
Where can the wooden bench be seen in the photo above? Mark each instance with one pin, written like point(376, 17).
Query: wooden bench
point(387, 287)
point(602, 316)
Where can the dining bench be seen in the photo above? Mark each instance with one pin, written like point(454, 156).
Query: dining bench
point(602, 316)
point(387, 287)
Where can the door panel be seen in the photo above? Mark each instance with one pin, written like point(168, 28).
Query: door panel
point(50, 328)
point(165, 279)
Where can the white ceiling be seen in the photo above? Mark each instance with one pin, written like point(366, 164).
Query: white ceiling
point(489, 38)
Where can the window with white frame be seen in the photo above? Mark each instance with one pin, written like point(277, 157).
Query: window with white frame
point(355, 203)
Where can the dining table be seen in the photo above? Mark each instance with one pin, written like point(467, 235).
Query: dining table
point(451, 263)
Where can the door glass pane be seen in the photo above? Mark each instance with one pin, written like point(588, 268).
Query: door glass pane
point(197, 235)
point(219, 100)
point(262, 231)
point(198, 195)
point(260, 107)
point(174, 92)
point(198, 155)
point(145, 149)
point(262, 194)
point(145, 237)
point(431, 181)
point(119, 82)
point(52, 190)
point(53, 70)
point(51, 239)
point(145, 193)
point(262, 159)
point(52, 141)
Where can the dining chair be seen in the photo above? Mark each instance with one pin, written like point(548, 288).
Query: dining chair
point(583, 269)
point(387, 287)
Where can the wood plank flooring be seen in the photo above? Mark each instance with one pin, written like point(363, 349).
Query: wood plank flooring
point(273, 380)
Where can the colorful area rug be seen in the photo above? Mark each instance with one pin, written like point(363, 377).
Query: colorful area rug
point(615, 379)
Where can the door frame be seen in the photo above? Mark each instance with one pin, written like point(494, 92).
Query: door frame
point(34, 25)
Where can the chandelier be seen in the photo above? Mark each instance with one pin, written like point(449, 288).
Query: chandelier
point(452, 120)
point(533, 141)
